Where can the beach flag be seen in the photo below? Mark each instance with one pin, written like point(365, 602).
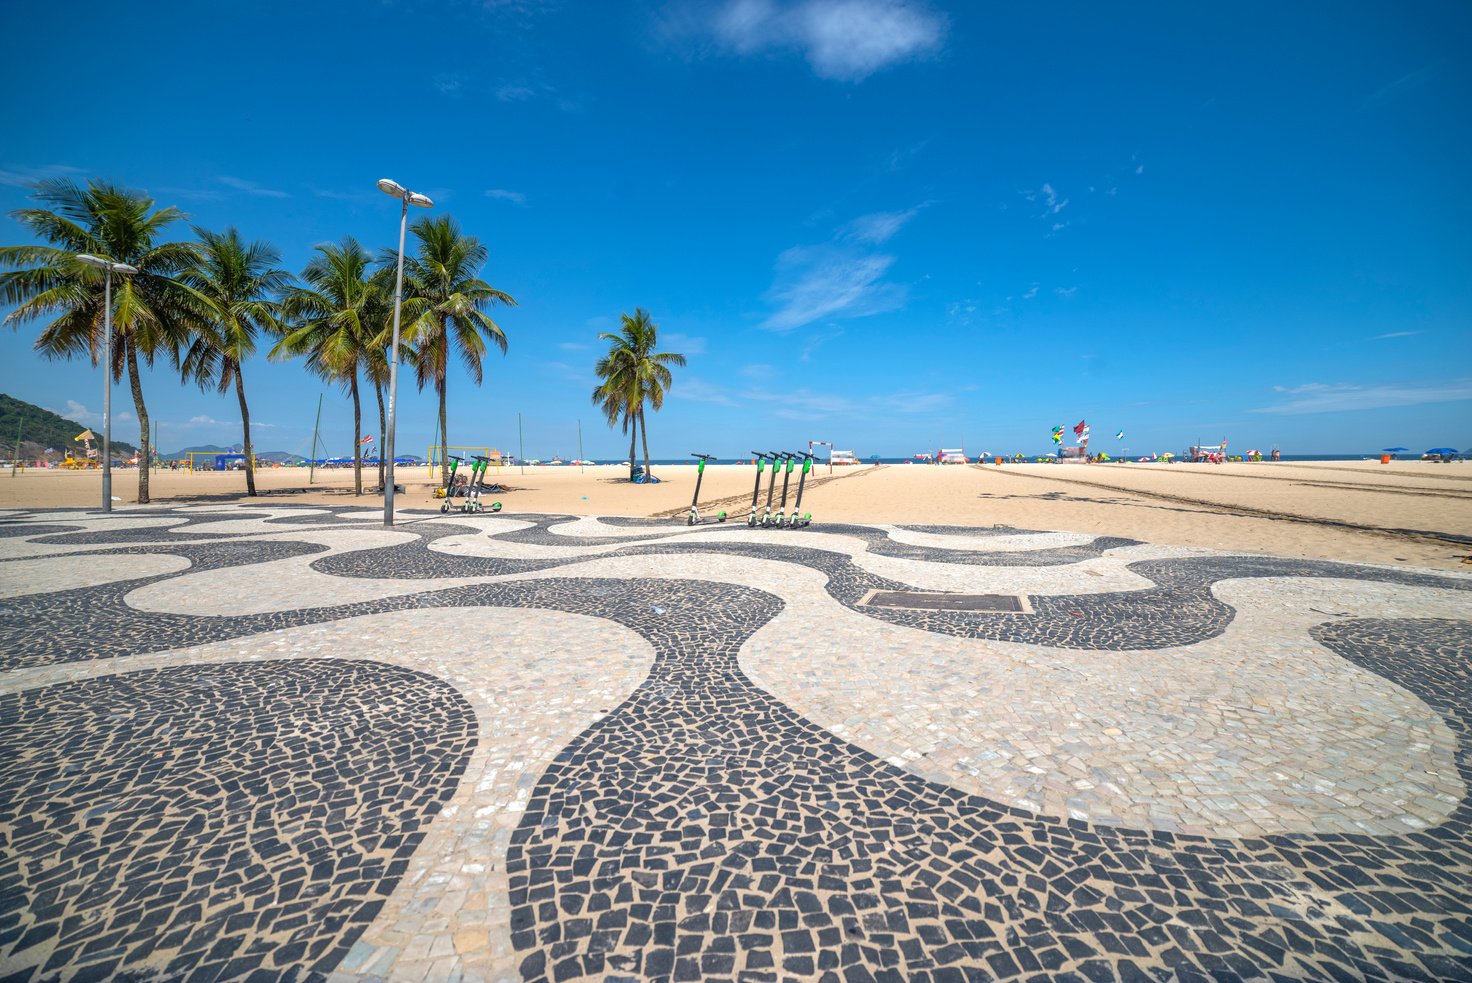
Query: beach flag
point(367, 440)
point(1080, 427)
point(1083, 438)
point(1057, 435)
point(1119, 436)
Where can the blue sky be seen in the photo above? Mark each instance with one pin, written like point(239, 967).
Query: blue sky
point(894, 226)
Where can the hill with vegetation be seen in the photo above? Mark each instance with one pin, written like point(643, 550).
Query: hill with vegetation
point(40, 429)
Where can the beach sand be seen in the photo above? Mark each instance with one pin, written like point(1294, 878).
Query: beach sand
point(1404, 513)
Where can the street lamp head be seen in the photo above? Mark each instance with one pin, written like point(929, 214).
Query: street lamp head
point(106, 264)
point(392, 188)
point(421, 201)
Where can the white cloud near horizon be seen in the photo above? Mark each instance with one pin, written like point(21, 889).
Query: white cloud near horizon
point(843, 40)
point(1317, 397)
point(251, 188)
point(1396, 334)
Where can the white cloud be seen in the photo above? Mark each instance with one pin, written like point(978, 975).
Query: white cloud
point(1316, 397)
point(515, 197)
point(572, 346)
point(1402, 86)
point(1032, 292)
point(1140, 169)
point(845, 40)
point(674, 341)
point(20, 176)
point(815, 283)
point(759, 372)
point(877, 227)
point(700, 391)
point(251, 188)
point(1396, 334)
point(450, 83)
point(1065, 292)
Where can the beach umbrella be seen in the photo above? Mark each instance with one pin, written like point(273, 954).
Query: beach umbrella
point(1443, 451)
point(1393, 450)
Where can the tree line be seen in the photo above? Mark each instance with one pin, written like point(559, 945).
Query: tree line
point(205, 304)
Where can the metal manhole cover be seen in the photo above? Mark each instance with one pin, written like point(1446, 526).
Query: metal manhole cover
point(921, 601)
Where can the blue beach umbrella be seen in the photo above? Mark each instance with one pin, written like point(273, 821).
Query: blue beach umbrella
point(1393, 450)
point(1443, 451)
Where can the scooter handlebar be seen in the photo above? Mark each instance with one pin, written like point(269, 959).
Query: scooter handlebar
point(704, 457)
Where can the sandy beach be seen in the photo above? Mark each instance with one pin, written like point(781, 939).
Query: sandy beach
point(1403, 513)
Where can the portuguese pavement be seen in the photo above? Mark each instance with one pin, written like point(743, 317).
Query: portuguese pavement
point(285, 743)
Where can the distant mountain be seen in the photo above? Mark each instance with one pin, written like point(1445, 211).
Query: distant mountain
point(40, 428)
point(282, 457)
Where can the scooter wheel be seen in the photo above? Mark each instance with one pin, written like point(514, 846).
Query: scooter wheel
point(445, 507)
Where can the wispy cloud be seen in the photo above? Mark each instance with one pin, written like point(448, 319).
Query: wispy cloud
point(878, 227)
point(815, 283)
point(1402, 86)
point(1396, 334)
point(450, 83)
point(759, 372)
point(21, 176)
point(515, 92)
point(251, 188)
point(842, 278)
point(1048, 198)
point(674, 341)
point(1065, 292)
point(503, 194)
point(845, 40)
point(572, 346)
point(809, 404)
point(1316, 397)
point(570, 373)
point(1032, 292)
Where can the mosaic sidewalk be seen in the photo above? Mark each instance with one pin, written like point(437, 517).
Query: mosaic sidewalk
point(283, 743)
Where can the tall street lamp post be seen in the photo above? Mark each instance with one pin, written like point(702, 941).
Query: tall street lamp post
point(110, 268)
point(395, 190)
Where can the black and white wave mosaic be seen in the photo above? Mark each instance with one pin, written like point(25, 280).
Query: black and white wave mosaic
point(246, 820)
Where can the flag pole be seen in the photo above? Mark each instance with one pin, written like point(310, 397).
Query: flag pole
point(580, 447)
point(521, 444)
point(312, 459)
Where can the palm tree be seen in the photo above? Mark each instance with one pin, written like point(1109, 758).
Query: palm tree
point(444, 308)
point(335, 321)
point(633, 374)
point(153, 312)
point(239, 281)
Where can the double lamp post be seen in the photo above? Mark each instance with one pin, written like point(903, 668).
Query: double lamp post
point(395, 190)
point(110, 268)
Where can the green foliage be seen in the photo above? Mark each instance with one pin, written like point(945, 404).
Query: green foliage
point(45, 428)
point(633, 374)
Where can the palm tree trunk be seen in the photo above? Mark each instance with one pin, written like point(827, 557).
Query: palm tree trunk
point(357, 438)
point(440, 387)
point(644, 429)
point(382, 435)
point(145, 454)
point(250, 461)
point(633, 444)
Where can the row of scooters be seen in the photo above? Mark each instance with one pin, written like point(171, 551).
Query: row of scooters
point(469, 487)
point(785, 461)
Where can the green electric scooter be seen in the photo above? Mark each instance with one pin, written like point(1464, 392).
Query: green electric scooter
point(798, 519)
point(694, 518)
point(756, 489)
